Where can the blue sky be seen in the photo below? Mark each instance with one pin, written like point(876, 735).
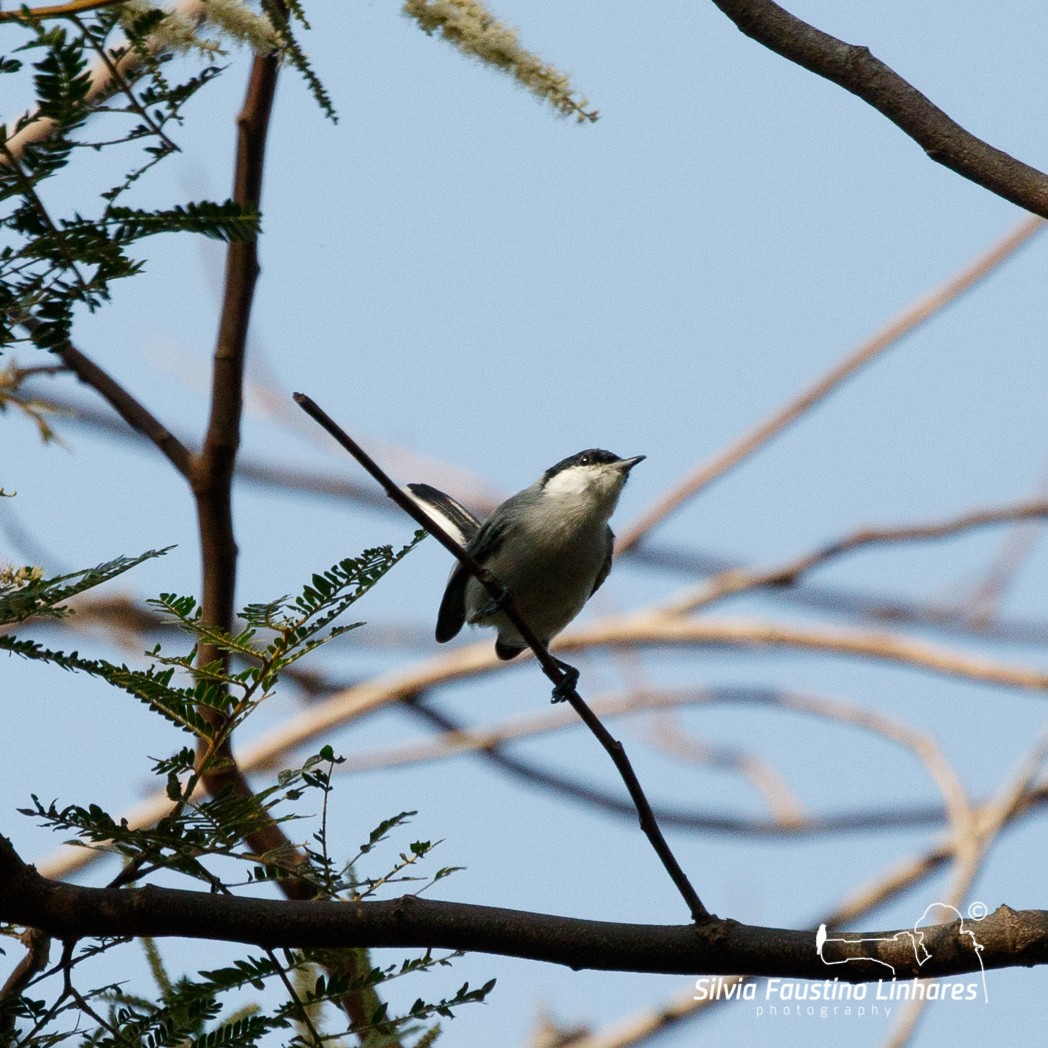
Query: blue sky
point(454, 270)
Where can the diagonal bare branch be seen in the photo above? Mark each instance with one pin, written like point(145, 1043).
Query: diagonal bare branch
point(730, 583)
point(130, 409)
point(909, 319)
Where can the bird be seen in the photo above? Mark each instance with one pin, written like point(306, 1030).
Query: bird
point(550, 547)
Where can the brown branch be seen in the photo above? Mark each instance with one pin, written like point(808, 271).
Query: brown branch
point(74, 7)
point(880, 607)
point(855, 69)
point(38, 948)
point(212, 484)
point(38, 128)
point(1008, 937)
point(913, 316)
point(731, 583)
point(213, 470)
point(490, 745)
point(130, 409)
point(550, 666)
point(674, 630)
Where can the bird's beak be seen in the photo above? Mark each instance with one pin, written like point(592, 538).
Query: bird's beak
point(627, 464)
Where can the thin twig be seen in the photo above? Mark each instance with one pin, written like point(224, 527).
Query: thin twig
point(914, 315)
point(29, 189)
point(649, 824)
point(1013, 554)
point(879, 607)
point(122, 85)
point(730, 583)
point(36, 128)
point(490, 743)
point(129, 408)
point(67, 10)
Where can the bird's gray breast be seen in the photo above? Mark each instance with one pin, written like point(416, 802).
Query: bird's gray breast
point(550, 573)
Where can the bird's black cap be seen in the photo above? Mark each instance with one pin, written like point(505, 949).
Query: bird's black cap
point(589, 457)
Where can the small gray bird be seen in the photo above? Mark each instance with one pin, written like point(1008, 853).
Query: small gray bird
point(549, 545)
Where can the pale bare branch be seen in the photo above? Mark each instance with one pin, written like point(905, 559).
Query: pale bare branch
point(910, 318)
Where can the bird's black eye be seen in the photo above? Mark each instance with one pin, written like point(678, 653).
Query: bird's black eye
point(585, 460)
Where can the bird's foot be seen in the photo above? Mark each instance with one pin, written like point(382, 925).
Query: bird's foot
point(567, 686)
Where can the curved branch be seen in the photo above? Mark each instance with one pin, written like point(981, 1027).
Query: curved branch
point(878, 606)
point(490, 744)
point(130, 409)
point(1007, 937)
point(854, 68)
point(74, 7)
point(649, 629)
point(733, 582)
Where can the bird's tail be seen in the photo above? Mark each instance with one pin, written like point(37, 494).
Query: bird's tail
point(452, 516)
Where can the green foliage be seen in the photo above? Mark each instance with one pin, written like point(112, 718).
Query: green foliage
point(213, 700)
point(294, 54)
point(51, 264)
point(202, 837)
point(37, 596)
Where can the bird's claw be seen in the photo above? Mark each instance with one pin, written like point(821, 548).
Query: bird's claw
point(566, 687)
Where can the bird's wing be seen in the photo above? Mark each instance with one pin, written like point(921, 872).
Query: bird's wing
point(605, 568)
point(455, 519)
point(452, 614)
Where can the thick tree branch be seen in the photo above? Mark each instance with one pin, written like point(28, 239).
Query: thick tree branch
point(1008, 937)
point(855, 69)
